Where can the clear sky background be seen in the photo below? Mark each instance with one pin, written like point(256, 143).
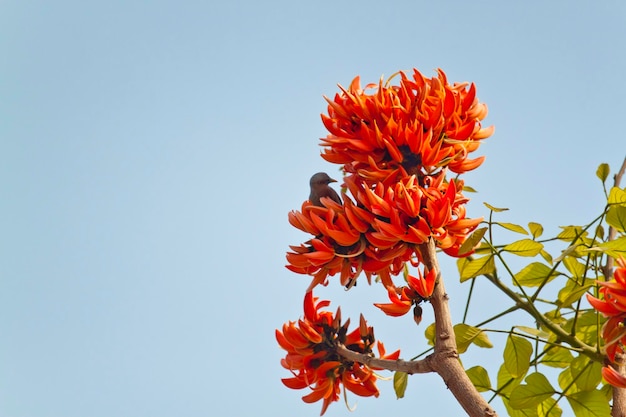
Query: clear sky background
point(150, 153)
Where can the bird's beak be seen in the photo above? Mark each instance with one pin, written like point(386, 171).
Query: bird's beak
point(332, 180)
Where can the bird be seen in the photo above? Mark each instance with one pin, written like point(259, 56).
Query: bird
point(320, 188)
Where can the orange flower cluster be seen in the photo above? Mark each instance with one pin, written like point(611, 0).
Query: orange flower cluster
point(403, 298)
point(416, 127)
point(396, 143)
point(613, 306)
point(381, 231)
point(310, 344)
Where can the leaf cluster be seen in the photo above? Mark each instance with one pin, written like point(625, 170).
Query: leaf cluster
point(553, 360)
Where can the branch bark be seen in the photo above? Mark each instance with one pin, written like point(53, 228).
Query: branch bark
point(445, 358)
point(447, 363)
point(619, 394)
point(607, 270)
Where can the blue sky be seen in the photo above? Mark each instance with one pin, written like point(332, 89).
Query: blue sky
point(150, 153)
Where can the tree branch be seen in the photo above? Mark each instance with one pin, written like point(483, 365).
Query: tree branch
point(557, 330)
point(447, 364)
point(607, 270)
point(619, 394)
point(445, 358)
point(410, 367)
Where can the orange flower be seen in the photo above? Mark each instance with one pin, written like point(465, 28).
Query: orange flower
point(310, 344)
point(424, 284)
point(385, 132)
point(337, 248)
point(402, 299)
point(613, 377)
point(381, 231)
point(410, 213)
point(614, 293)
point(396, 145)
point(613, 306)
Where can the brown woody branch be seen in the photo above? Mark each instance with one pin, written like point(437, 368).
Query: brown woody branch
point(410, 367)
point(445, 358)
point(619, 394)
point(607, 270)
point(447, 364)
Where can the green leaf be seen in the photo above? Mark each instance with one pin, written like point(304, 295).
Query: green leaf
point(495, 209)
point(535, 229)
point(480, 378)
point(513, 227)
point(468, 189)
point(472, 241)
point(535, 274)
point(607, 390)
point(524, 247)
point(546, 256)
point(471, 268)
point(482, 340)
point(430, 334)
point(506, 381)
point(571, 250)
point(556, 317)
point(590, 377)
point(557, 357)
point(617, 196)
point(600, 232)
point(536, 390)
point(534, 332)
point(482, 249)
point(614, 248)
point(511, 412)
point(517, 353)
point(565, 378)
point(577, 269)
point(549, 408)
point(400, 381)
point(585, 373)
point(466, 335)
point(573, 291)
point(586, 326)
point(603, 171)
point(589, 404)
point(569, 233)
point(616, 217)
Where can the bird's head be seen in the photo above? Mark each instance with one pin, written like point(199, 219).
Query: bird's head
point(320, 179)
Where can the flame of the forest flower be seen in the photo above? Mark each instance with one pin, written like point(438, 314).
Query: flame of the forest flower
point(396, 144)
point(310, 344)
point(384, 132)
point(420, 288)
point(613, 377)
point(380, 231)
point(613, 306)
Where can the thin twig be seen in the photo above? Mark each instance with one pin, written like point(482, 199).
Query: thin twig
point(607, 270)
point(422, 366)
point(447, 363)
